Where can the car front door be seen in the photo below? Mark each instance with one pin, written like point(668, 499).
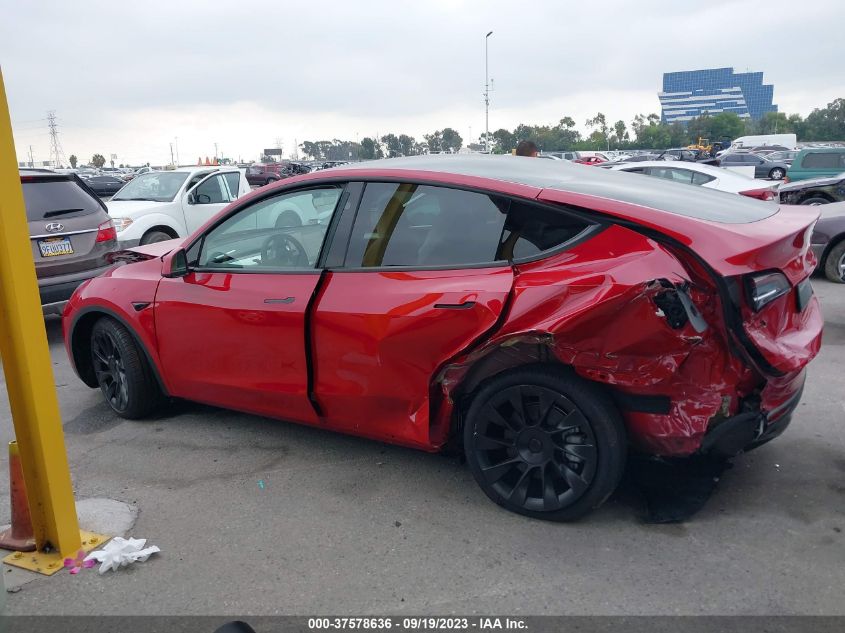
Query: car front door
point(422, 279)
point(205, 200)
point(232, 331)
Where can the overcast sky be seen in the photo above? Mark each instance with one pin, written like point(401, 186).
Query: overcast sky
point(130, 77)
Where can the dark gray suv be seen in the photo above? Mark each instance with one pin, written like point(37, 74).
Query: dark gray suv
point(70, 231)
point(763, 167)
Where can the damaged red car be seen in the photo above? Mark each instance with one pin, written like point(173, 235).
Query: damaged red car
point(549, 319)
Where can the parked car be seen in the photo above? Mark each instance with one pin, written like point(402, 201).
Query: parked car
point(638, 158)
point(589, 160)
point(817, 162)
point(701, 175)
point(105, 185)
point(682, 153)
point(763, 168)
point(70, 231)
point(261, 174)
point(814, 190)
point(162, 205)
point(786, 156)
point(828, 242)
point(440, 306)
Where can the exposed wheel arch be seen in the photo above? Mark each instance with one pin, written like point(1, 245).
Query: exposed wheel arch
point(80, 337)
point(817, 198)
point(158, 229)
point(834, 244)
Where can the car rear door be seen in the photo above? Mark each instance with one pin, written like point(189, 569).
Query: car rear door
point(205, 200)
point(420, 282)
point(232, 332)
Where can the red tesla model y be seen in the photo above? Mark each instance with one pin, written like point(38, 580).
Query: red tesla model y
point(550, 318)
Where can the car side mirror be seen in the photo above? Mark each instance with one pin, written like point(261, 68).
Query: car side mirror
point(175, 264)
point(191, 198)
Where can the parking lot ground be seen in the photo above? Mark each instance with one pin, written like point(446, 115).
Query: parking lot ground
point(255, 516)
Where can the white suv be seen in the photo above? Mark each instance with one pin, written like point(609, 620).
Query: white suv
point(163, 205)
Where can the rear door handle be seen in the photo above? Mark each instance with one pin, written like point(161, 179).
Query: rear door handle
point(466, 305)
point(285, 300)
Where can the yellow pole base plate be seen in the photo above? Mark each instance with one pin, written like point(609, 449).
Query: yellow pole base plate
point(49, 564)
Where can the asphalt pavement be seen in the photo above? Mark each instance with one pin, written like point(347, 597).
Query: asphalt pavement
point(255, 516)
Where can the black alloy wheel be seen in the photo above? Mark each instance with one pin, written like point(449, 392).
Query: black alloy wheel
point(123, 371)
point(544, 444)
point(110, 370)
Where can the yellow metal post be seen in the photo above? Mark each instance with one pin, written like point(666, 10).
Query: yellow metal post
point(28, 369)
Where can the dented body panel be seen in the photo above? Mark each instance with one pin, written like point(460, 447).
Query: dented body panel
point(653, 305)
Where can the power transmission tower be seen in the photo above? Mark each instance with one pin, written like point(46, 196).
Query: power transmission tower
point(57, 154)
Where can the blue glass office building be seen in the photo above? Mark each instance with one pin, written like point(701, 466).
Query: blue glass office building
point(688, 94)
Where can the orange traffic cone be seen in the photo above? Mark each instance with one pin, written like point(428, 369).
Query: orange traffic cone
point(199, 160)
point(207, 162)
point(20, 536)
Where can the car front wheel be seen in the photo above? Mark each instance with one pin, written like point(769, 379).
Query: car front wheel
point(777, 174)
point(815, 200)
point(152, 237)
point(834, 263)
point(544, 443)
point(123, 372)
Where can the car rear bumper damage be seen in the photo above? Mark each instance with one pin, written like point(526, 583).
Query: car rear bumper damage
point(750, 429)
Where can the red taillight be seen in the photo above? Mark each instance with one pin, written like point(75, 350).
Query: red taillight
point(786, 180)
point(759, 194)
point(106, 232)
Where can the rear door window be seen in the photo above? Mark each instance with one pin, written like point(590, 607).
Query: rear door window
point(408, 224)
point(824, 160)
point(45, 199)
point(531, 230)
point(700, 179)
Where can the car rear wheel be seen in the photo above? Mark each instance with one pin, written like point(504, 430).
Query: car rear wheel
point(834, 263)
point(151, 237)
point(777, 174)
point(816, 200)
point(270, 181)
point(122, 371)
point(544, 443)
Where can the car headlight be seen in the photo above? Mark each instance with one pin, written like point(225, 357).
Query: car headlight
point(121, 224)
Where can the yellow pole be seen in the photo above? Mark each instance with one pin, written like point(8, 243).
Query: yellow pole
point(27, 365)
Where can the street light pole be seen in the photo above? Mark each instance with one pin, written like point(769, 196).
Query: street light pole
point(486, 96)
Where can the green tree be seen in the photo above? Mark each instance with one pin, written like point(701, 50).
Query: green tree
point(72, 159)
point(451, 140)
point(826, 124)
point(369, 149)
point(601, 134)
point(725, 125)
point(434, 141)
point(98, 160)
point(620, 132)
point(392, 145)
point(502, 141)
point(408, 145)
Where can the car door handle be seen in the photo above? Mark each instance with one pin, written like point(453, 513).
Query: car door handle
point(285, 300)
point(466, 305)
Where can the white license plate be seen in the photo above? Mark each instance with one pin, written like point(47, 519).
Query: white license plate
point(54, 246)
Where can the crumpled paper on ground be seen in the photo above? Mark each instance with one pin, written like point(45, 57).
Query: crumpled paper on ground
point(120, 552)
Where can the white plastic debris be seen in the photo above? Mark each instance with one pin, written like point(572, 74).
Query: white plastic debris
point(120, 552)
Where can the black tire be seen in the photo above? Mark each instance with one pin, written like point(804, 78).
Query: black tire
point(153, 236)
point(816, 200)
point(270, 181)
point(122, 371)
point(834, 263)
point(544, 443)
point(777, 173)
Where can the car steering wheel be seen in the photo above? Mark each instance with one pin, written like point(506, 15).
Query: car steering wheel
point(283, 250)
